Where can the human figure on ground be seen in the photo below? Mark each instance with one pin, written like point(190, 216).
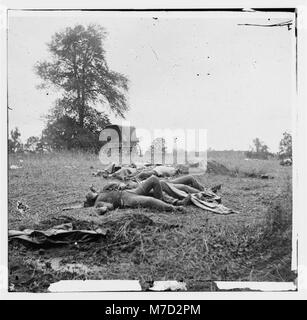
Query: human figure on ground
point(153, 193)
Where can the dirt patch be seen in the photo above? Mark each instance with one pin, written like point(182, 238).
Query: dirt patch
point(34, 269)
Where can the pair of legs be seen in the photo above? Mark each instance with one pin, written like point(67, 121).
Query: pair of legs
point(145, 175)
point(155, 186)
point(150, 192)
point(187, 183)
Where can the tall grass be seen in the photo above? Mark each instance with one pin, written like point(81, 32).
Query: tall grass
point(275, 245)
point(198, 246)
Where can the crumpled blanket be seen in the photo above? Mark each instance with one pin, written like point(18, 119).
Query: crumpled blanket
point(211, 206)
point(206, 200)
point(58, 235)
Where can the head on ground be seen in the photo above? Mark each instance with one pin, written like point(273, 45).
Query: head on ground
point(90, 199)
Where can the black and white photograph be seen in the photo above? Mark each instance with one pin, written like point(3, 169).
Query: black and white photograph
point(152, 150)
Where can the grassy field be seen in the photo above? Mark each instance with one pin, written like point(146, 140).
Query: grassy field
point(197, 246)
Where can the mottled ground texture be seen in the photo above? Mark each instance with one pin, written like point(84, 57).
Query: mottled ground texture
point(196, 247)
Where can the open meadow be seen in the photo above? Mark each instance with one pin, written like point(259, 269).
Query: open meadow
point(197, 246)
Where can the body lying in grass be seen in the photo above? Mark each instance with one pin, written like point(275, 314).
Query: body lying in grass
point(153, 193)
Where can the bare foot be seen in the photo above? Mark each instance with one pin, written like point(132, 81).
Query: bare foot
point(185, 201)
point(180, 209)
point(101, 211)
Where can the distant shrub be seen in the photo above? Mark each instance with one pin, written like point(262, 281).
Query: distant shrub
point(14, 142)
point(285, 147)
point(259, 151)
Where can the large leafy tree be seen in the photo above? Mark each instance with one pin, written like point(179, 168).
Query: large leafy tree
point(78, 70)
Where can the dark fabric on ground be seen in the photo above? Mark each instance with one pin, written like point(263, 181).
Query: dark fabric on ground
point(58, 235)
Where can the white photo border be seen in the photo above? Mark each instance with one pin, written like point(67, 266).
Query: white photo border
point(299, 257)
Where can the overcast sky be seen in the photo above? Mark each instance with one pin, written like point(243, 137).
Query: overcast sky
point(197, 70)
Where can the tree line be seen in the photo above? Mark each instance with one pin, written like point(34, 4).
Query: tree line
point(260, 150)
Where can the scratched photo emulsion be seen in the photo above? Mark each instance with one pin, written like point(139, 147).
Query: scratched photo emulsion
point(150, 150)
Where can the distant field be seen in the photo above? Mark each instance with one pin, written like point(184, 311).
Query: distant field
point(198, 246)
point(238, 163)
